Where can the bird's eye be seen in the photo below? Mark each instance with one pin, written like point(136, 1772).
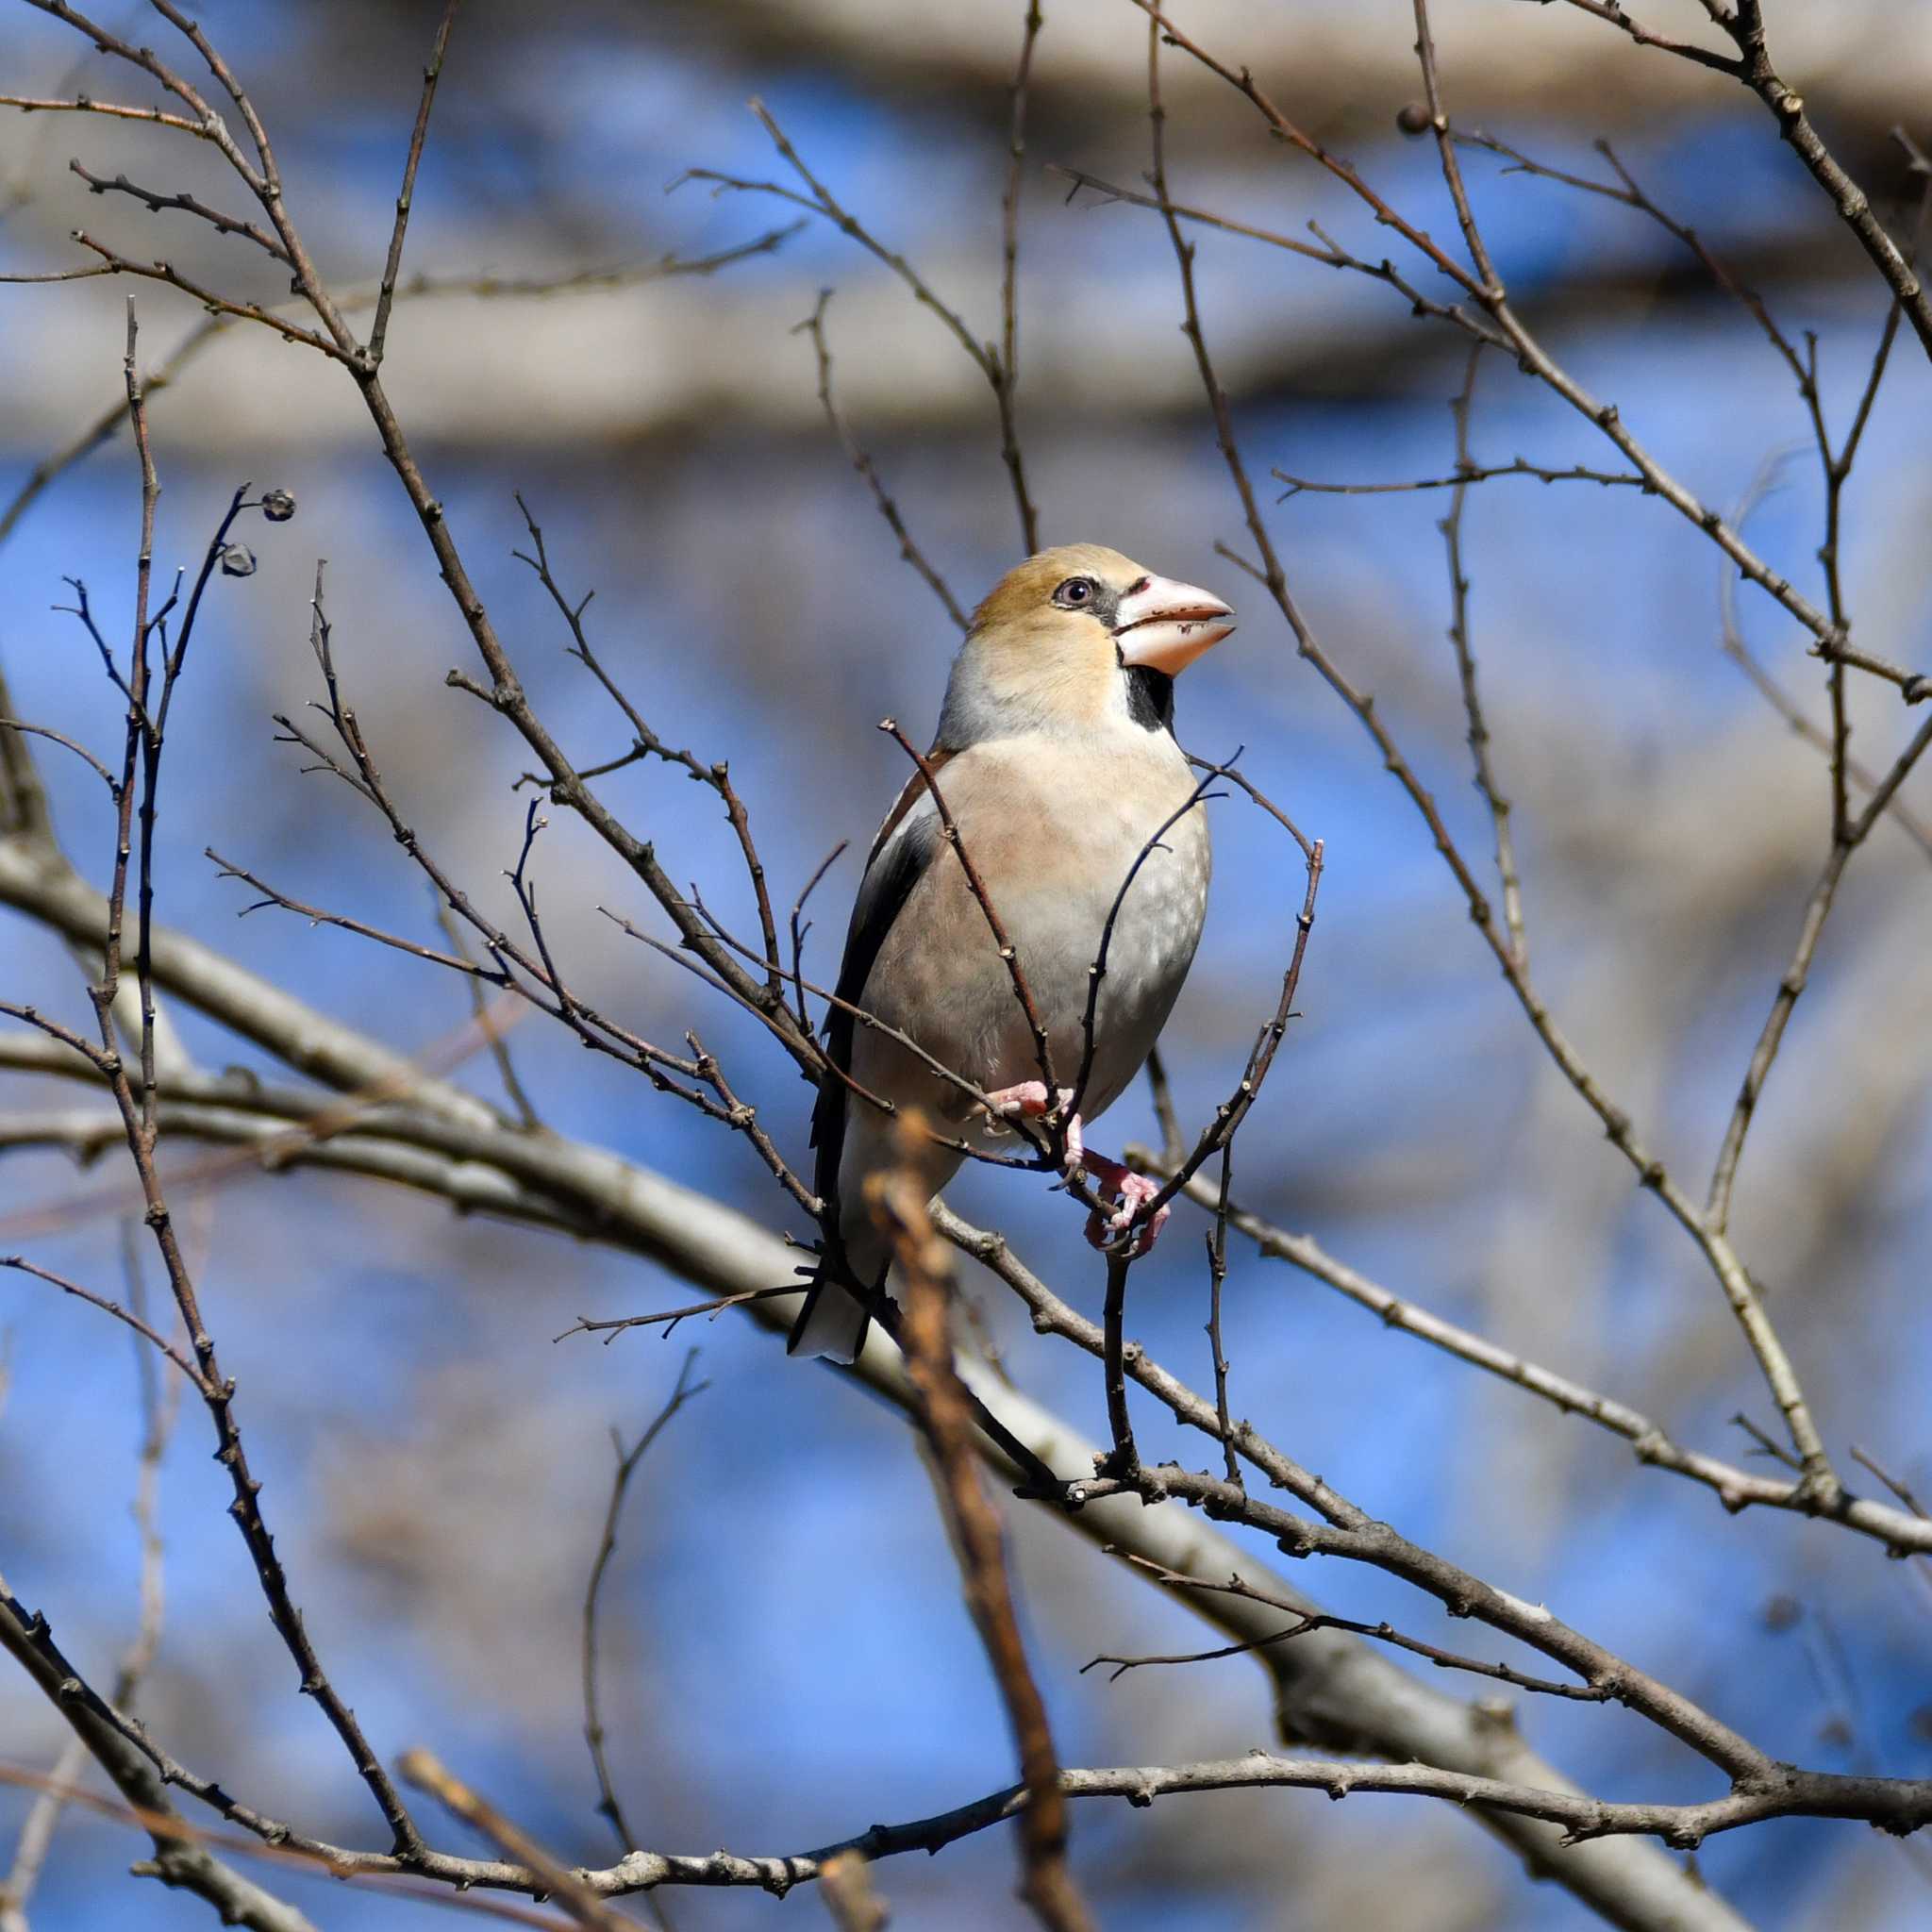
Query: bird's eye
point(1075, 592)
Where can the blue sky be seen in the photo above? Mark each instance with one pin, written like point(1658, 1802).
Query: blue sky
point(793, 1658)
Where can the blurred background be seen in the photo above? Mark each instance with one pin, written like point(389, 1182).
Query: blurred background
point(436, 1470)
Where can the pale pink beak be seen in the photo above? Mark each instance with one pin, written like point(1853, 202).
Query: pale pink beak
point(1165, 626)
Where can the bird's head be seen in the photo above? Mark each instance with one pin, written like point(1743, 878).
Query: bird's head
point(1074, 637)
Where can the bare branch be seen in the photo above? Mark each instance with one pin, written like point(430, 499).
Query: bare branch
point(1612, 11)
point(1347, 1531)
point(986, 357)
point(627, 1461)
point(799, 931)
point(484, 1015)
point(1473, 472)
point(1531, 356)
point(718, 775)
point(1485, 783)
point(860, 459)
point(24, 1266)
point(1795, 977)
point(160, 1409)
point(1740, 1290)
point(898, 1202)
point(155, 204)
point(1005, 390)
point(1217, 1275)
point(114, 263)
point(1752, 64)
point(179, 1858)
point(79, 751)
point(427, 1773)
point(1736, 1489)
point(1383, 1632)
point(709, 1244)
point(392, 268)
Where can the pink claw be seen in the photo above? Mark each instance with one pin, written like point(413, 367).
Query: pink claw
point(1133, 1191)
point(1030, 1098)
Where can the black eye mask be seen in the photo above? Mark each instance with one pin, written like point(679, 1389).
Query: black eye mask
point(1102, 601)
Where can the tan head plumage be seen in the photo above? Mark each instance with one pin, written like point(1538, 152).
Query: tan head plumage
point(1026, 590)
point(1052, 642)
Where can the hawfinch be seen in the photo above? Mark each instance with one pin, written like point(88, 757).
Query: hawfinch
point(1057, 761)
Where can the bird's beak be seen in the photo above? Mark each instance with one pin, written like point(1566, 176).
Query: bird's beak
point(1165, 626)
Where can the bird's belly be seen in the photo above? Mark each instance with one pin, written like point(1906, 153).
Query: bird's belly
point(1060, 931)
point(1055, 895)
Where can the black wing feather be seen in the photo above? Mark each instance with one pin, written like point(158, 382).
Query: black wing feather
point(895, 870)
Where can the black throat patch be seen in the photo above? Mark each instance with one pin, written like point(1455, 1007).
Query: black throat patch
point(1150, 697)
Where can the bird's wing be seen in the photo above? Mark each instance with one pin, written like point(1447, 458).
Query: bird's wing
point(915, 789)
point(900, 857)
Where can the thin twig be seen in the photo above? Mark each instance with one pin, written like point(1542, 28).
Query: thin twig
point(1173, 1145)
point(114, 263)
point(1007, 388)
point(1735, 1488)
point(986, 357)
point(1232, 1112)
point(481, 287)
point(144, 746)
point(717, 776)
point(1096, 972)
point(1306, 1623)
point(155, 203)
point(860, 459)
point(79, 751)
point(481, 1012)
point(611, 1328)
point(392, 268)
point(1626, 190)
point(1451, 528)
point(1508, 329)
point(1792, 984)
point(609, 1804)
point(1041, 1160)
point(273, 895)
point(107, 1307)
point(1612, 11)
point(159, 1406)
point(1217, 1275)
point(1741, 1292)
point(540, 968)
point(1473, 472)
point(1731, 643)
point(800, 930)
point(1337, 1527)
point(1752, 65)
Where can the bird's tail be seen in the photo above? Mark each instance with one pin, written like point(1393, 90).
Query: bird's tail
point(832, 1323)
point(838, 1306)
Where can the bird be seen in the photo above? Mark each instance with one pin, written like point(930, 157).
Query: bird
point(1058, 765)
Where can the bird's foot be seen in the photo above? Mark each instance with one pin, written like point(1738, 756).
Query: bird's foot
point(1029, 1099)
point(1132, 1190)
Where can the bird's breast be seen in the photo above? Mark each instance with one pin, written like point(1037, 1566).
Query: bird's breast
point(1081, 863)
point(1106, 882)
